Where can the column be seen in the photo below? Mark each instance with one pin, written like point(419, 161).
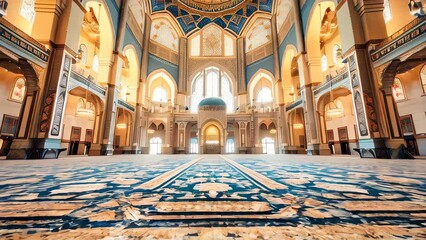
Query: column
point(311, 121)
point(366, 24)
point(138, 145)
point(183, 65)
point(42, 112)
point(241, 66)
point(113, 82)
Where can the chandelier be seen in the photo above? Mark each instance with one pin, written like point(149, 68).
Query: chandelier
point(333, 110)
point(85, 109)
point(298, 124)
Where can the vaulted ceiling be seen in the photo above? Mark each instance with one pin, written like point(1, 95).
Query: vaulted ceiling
point(228, 14)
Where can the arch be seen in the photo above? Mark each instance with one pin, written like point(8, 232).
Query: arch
point(220, 86)
point(18, 91)
point(213, 122)
point(168, 79)
point(312, 38)
point(259, 75)
point(107, 36)
point(259, 33)
point(222, 68)
point(130, 53)
point(165, 31)
point(173, 21)
point(289, 69)
point(251, 20)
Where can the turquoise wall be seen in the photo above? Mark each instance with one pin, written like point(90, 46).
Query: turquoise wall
point(155, 63)
point(130, 39)
point(290, 39)
point(114, 11)
point(266, 63)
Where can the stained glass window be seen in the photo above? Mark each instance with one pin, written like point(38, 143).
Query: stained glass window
point(398, 90)
point(18, 92)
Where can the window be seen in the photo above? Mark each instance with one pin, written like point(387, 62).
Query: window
point(212, 83)
point(159, 94)
point(423, 77)
point(155, 145)
point(18, 91)
point(193, 145)
point(387, 14)
point(398, 90)
point(264, 95)
point(230, 145)
point(268, 145)
point(324, 63)
point(337, 54)
point(28, 10)
point(83, 53)
point(95, 64)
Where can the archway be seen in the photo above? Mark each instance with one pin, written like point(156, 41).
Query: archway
point(82, 121)
point(212, 82)
point(123, 130)
point(262, 92)
point(212, 139)
point(323, 43)
point(290, 75)
point(129, 76)
point(162, 91)
point(156, 136)
point(338, 121)
point(297, 130)
point(268, 136)
point(403, 88)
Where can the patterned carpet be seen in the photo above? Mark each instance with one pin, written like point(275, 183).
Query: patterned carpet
point(213, 197)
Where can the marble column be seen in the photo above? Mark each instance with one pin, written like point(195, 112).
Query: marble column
point(241, 66)
point(138, 145)
point(113, 82)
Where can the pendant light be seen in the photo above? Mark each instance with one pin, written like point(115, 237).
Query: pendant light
point(333, 110)
point(298, 123)
point(87, 109)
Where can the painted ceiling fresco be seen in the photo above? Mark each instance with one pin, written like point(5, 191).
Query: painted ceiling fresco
point(228, 14)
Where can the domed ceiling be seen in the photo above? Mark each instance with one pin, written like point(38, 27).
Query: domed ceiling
point(228, 14)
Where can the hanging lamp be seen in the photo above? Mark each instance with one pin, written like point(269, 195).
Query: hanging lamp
point(333, 110)
point(298, 124)
point(87, 109)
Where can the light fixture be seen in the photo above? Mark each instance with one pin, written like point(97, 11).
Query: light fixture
point(87, 109)
point(297, 124)
point(333, 110)
point(273, 131)
point(121, 126)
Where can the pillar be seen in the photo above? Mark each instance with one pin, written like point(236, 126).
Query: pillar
point(140, 129)
point(241, 66)
point(113, 81)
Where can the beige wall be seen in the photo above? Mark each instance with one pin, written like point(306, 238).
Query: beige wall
point(7, 81)
point(70, 120)
point(400, 16)
point(14, 16)
point(415, 103)
point(348, 120)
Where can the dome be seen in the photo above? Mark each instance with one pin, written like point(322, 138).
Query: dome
point(213, 101)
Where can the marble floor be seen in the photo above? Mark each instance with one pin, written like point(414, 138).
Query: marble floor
point(213, 197)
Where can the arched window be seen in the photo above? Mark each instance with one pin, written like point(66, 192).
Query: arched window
point(159, 94)
point(193, 145)
point(423, 77)
point(155, 145)
point(387, 14)
point(230, 145)
point(212, 83)
point(337, 54)
point(83, 54)
point(398, 90)
point(18, 91)
point(264, 95)
point(95, 64)
point(324, 63)
point(268, 145)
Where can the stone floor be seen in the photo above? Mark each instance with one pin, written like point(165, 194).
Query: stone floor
point(213, 197)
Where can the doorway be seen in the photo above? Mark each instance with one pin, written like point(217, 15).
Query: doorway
point(212, 140)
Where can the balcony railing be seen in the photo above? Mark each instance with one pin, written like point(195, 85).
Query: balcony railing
point(334, 81)
point(294, 104)
point(91, 85)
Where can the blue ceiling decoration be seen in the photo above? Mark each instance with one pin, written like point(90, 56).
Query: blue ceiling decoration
point(231, 15)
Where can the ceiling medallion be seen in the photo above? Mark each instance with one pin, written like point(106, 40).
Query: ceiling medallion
point(230, 15)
